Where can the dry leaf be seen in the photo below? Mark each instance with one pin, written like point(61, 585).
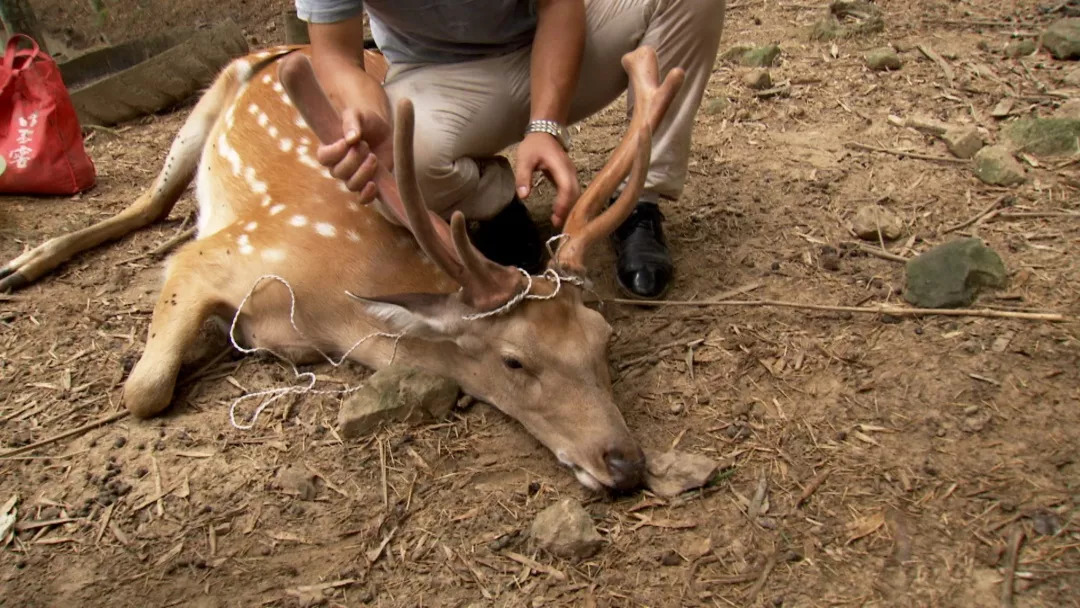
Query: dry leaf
point(865, 526)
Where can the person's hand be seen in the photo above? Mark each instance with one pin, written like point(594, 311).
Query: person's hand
point(354, 159)
point(542, 152)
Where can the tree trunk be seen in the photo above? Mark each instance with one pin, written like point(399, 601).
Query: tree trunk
point(19, 18)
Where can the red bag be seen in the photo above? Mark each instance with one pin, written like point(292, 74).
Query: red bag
point(41, 145)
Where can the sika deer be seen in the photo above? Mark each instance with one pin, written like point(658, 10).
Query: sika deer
point(266, 207)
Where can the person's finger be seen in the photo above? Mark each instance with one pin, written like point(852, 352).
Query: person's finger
point(367, 194)
point(567, 190)
point(349, 165)
point(329, 155)
point(364, 174)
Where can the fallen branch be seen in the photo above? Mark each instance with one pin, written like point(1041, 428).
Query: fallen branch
point(1011, 558)
point(901, 153)
point(980, 215)
point(881, 253)
point(73, 432)
point(812, 487)
point(896, 311)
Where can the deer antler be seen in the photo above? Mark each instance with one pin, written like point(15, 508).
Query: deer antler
point(651, 101)
point(485, 284)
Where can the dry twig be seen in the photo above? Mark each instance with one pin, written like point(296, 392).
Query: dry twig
point(73, 432)
point(1011, 559)
point(854, 145)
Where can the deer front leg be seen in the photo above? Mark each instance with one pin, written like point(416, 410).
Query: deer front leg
point(186, 301)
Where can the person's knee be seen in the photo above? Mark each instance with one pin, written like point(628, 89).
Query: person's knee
point(706, 15)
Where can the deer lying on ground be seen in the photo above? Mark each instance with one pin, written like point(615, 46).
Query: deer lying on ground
point(266, 207)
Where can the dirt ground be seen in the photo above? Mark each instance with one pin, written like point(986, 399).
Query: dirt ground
point(899, 458)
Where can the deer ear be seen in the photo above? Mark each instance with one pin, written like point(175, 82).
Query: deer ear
point(426, 316)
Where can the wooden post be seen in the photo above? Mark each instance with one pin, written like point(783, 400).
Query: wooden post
point(19, 18)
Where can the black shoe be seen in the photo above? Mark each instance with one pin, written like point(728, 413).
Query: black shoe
point(511, 238)
point(643, 265)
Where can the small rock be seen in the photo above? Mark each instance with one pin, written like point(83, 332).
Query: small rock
point(760, 57)
point(120, 442)
point(963, 142)
point(830, 262)
point(1046, 523)
point(717, 105)
point(996, 166)
point(1072, 78)
point(757, 79)
point(1045, 136)
point(396, 394)
point(565, 529)
point(951, 275)
point(299, 481)
point(1020, 48)
point(672, 473)
point(1003, 108)
point(872, 220)
point(883, 58)
point(670, 558)
point(1062, 39)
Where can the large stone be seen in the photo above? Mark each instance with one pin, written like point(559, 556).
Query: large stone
point(1062, 39)
point(760, 57)
point(873, 222)
point(882, 59)
point(996, 166)
point(565, 529)
point(672, 473)
point(396, 394)
point(1044, 136)
point(963, 142)
point(952, 274)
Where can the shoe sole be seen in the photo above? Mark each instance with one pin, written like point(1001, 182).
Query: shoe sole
point(635, 296)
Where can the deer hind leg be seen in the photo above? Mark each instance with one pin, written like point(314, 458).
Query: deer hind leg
point(152, 205)
point(189, 297)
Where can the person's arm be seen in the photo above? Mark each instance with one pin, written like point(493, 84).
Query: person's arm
point(337, 55)
point(557, 50)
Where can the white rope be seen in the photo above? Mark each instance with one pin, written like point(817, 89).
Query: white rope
point(309, 388)
point(277, 393)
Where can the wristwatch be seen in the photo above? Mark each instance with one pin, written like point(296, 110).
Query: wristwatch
point(552, 128)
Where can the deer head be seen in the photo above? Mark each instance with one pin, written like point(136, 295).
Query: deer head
point(528, 345)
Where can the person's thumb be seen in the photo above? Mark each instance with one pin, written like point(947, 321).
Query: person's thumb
point(523, 173)
point(350, 126)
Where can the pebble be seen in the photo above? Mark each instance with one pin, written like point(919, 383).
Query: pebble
point(995, 166)
point(874, 221)
point(672, 473)
point(757, 79)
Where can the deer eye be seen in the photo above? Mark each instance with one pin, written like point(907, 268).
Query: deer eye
point(512, 363)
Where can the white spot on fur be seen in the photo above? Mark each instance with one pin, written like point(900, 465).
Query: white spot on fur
point(278, 88)
point(253, 109)
point(285, 144)
point(352, 235)
point(273, 255)
point(276, 209)
point(352, 206)
point(325, 229)
point(273, 131)
point(259, 187)
point(264, 119)
point(304, 141)
point(300, 122)
point(285, 99)
point(243, 69)
point(262, 54)
point(267, 79)
point(245, 245)
point(266, 201)
point(298, 220)
point(251, 226)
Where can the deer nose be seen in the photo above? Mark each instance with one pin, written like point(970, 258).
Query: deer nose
point(626, 467)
